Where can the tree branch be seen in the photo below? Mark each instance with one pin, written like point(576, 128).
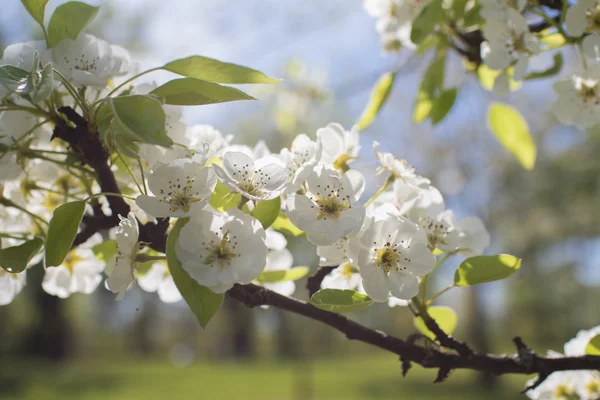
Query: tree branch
point(313, 283)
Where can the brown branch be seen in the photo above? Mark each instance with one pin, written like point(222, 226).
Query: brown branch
point(254, 296)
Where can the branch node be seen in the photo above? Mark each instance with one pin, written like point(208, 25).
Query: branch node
point(406, 365)
point(525, 355)
point(313, 283)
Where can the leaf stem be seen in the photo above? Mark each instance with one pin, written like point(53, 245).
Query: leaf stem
point(132, 79)
point(390, 179)
point(438, 294)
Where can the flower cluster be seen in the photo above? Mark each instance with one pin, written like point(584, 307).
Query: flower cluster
point(576, 385)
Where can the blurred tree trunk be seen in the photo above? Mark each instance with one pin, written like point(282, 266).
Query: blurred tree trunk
point(478, 334)
point(141, 332)
point(286, 343)
point(242, 327)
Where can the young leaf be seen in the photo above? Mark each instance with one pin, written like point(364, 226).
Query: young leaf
point(140, 117)
point(15, 259)
point(553, 70)
point(512, 131)
point(445, 317)
point(68, 21)
point(45, 86)
point(482, 269)
point(593, 346)
point(292, 274)
point(426, 21)
point(283, 224)
point(340, 301)
point(62, 231)
point(267, 211)
point(203, 302)
point(14, 79)
point(106, 250)
point(442, 105)
point(37, 9)
point(431, 84)
point(196, 92)
point(379, 95)
point(211, 70)
point(223, 199)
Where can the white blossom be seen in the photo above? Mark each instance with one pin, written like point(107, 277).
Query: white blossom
point(339, 147)
point(121, 276)
point(89, 61)
point(578, 101)
point(345, 277)
point(400, 169)
point(219, 250)
point(392, 255)
point(583, 17)
point(509, 41)
point(11, 285)
point(159, 280)
point(300, 159)
point(262, 179)
point(21, 54)
point(179, 187)
point(80, 272)
point(14, 126)
point(216, 141)
point(474, 238)
point(327, 212)
point(497, 10)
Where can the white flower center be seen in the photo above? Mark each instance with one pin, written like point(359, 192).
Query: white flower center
point(436, 231)
point(180, 195)
point(330, 203)
point(82, 63)
point(221, 251)
point(587, 89)
point(251, 182)
point(388, 257)
point(593, 18)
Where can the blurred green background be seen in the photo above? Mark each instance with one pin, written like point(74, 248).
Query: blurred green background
point(91, 347)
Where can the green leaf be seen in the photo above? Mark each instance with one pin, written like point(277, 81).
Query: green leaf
point(431, 84)
point(553, 70)
point(211, 70)
point(62, 231)
point(427, 44)
point(487, 77)
point(445, 317)
point(45, 87)
point(196, 92)
point(482, 269)
point(472, 15)
point(283, 224)
point(14, 79)
point(426, 21)
point(379, 95)
point(340, 301)
point(292, 274)
point(68, 21)
point(442, 105)
point(593, 346)
point(203, 302)
point(141, 117)
point(223, 198)
point(106, 250)
point(512, 131)
point(15, 259)
point(36, 8)
point(267, 211)
point(553, 41)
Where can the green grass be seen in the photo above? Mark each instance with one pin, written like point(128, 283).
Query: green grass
point(377, 377)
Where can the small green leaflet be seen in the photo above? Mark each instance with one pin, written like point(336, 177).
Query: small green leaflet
point(379, 95)
point(553, 70)
point(482, 269)
point(426, 21)
point(14, 79)
point(68, 21)
point(223, 199)
point(62, 231)
point(442, 105)
point(445, 317)
point(211, 70)
point(511, 129)
point(203, 302)
point(292, 274)
point(267, 211)
point(196, 92)
point(15, 259)
point(340, 301)
point(37, 9)
point(283, 224)
point(140, 117)
point(593, 346)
